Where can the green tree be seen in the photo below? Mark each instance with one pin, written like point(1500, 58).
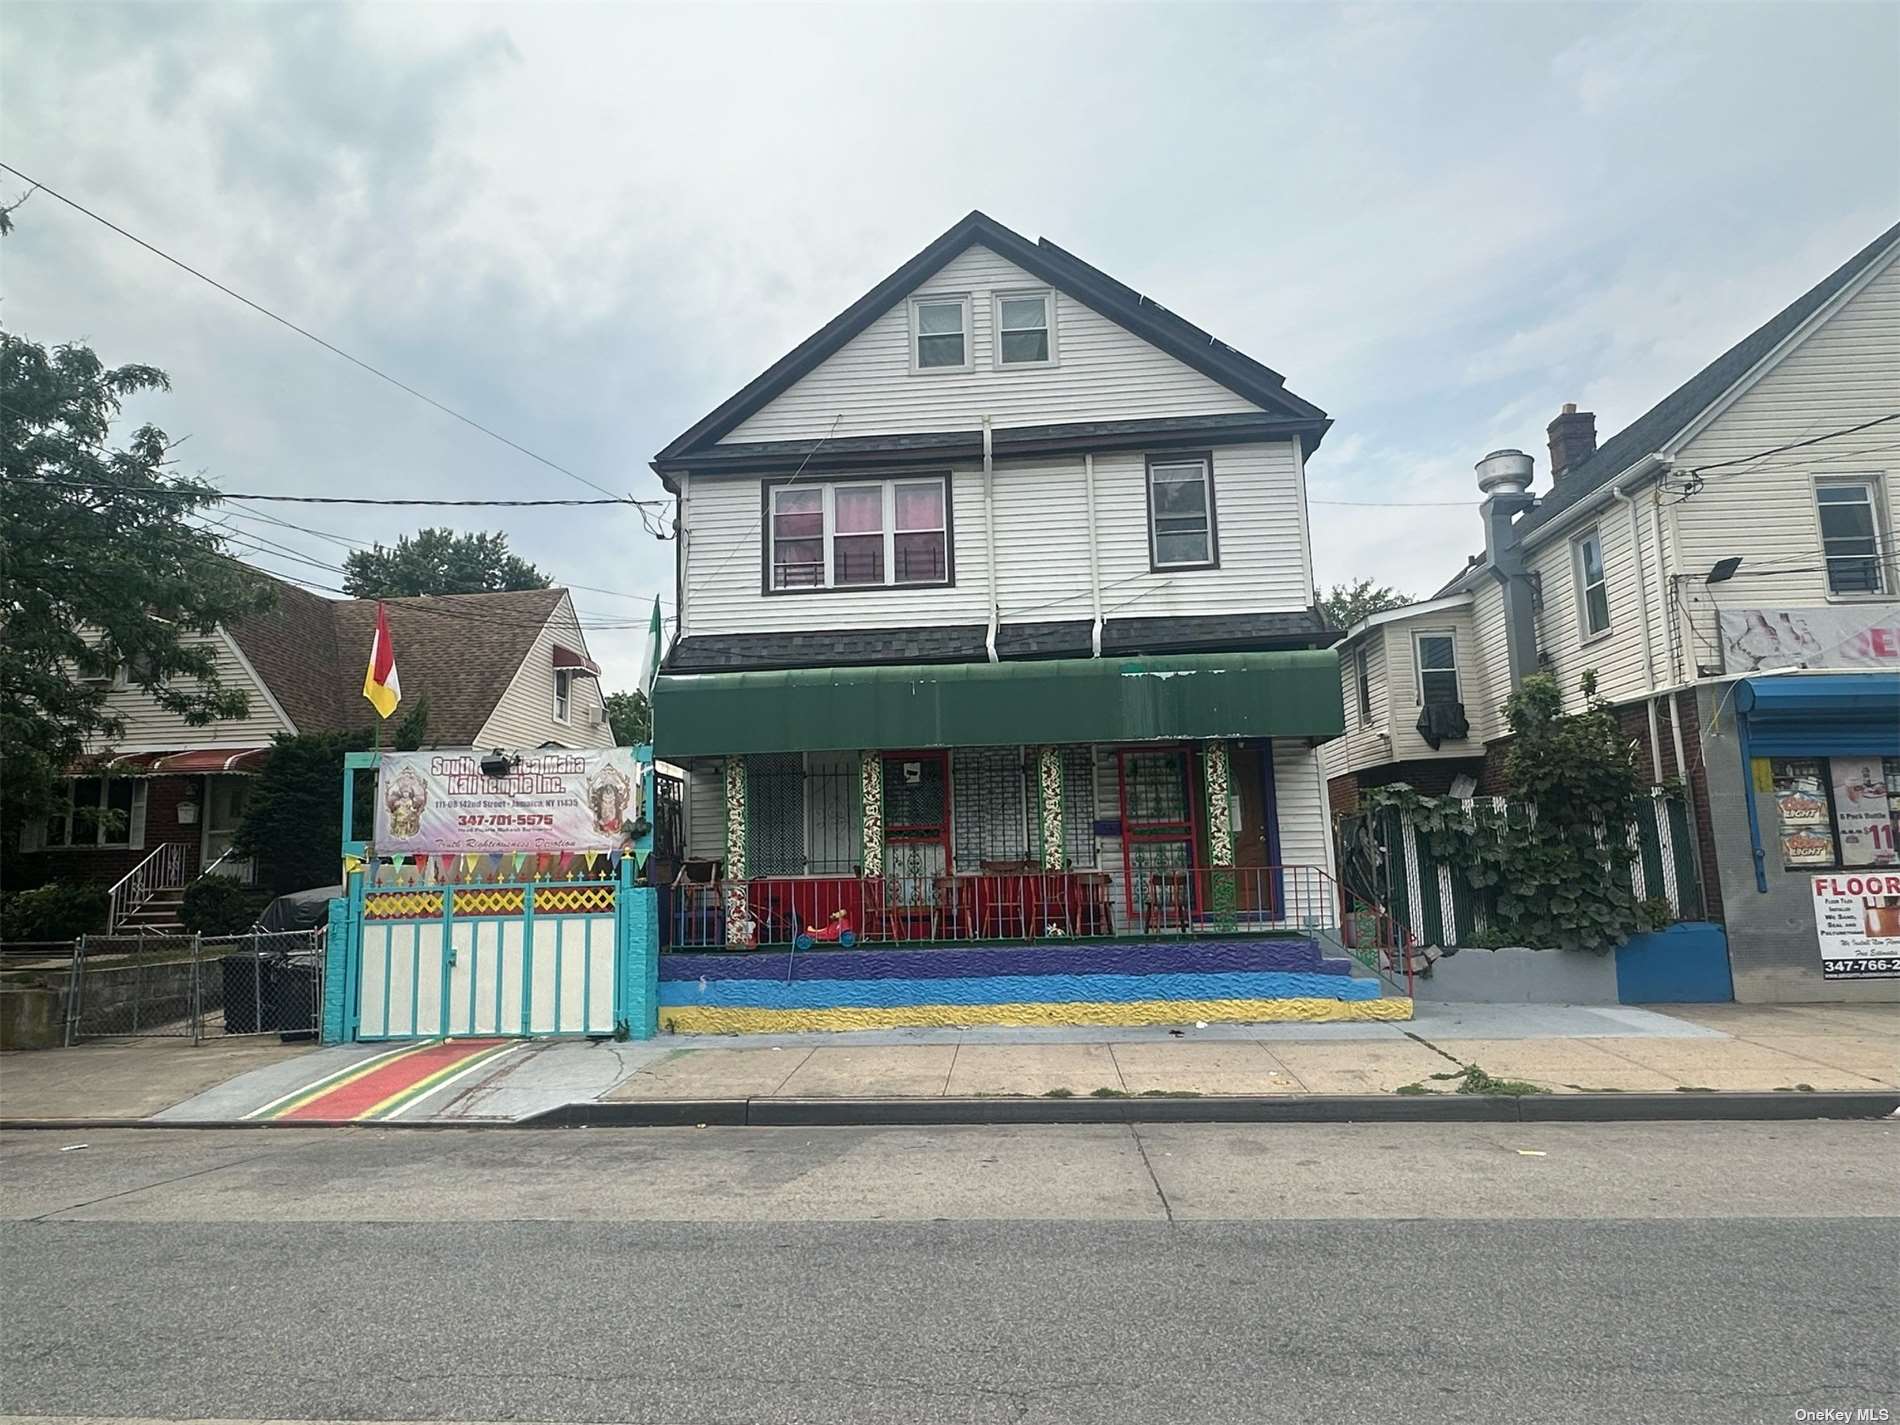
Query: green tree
point(439, 561)
point(1345, 604)
point(630, 717)
point(102, 570)
point(293, 822)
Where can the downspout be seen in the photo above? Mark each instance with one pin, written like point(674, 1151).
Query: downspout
point(682, 530)
point(1663, 589)
point(1095, 562)
point(1649, 645)
point(989, 538)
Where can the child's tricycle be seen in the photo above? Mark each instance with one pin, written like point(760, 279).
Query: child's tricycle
point(837, 931)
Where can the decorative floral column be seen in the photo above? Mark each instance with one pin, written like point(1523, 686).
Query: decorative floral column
point(871, 786)
point(1222, 887)
point(1049, 798)
point(739, 929)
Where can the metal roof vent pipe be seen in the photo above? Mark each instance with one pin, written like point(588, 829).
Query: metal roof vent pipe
point(1505, 478)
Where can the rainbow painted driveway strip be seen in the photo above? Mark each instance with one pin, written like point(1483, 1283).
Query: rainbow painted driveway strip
point(384, 1086)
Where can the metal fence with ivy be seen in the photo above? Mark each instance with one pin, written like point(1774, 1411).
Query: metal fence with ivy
point(1384, 856)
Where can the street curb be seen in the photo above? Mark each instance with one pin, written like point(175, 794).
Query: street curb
point(1447, 1108)
point(944, 1112)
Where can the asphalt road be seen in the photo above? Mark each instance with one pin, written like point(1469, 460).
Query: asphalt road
point(1566, 1273)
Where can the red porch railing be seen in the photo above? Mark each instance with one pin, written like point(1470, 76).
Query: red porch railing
point(1026, 906)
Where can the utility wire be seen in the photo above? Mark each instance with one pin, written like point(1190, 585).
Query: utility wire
point(216, 494)
point(308, 335)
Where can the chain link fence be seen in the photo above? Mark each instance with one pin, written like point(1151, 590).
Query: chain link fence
point(195, 987)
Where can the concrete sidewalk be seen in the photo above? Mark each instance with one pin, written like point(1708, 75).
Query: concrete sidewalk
point(1560, 1049)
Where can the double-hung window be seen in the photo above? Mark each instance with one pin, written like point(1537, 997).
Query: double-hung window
point(1025, 333)
point(1850, 536)
point(1362, 661)
point(1593, 591)
point(1182, 533)
point(563, 694)
point(1437, 668)
point(940, 334)
point(859, 534)
point(91, 811)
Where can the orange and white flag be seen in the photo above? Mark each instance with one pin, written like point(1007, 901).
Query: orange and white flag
point(380, 684)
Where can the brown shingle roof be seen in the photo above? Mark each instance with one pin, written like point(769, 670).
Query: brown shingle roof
point(461, 650)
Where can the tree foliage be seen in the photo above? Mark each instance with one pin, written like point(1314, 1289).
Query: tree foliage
point(101, 569)
point(631, 718)
point(1345, 604)
point(1552, 868)
point(439, 561)
point(293, 822)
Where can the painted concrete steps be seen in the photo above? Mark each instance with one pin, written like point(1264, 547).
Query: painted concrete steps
point(1119, 983)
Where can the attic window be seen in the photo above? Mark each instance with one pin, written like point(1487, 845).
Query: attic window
point(940, 334)
point(1024, 333)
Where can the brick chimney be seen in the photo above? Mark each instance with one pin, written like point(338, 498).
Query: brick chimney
point(1573, 440)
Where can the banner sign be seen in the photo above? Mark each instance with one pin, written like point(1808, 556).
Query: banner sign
point(548, 802)
point(1837, 636)
point(1858, 917)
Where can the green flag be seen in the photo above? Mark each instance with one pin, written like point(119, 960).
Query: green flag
point(653, 652)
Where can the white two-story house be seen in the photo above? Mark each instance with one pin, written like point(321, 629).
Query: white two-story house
point(1728, 565)
point(1004, 570)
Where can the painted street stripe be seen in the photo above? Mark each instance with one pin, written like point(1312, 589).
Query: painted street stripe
point(385, 1082)
point(441, 1079)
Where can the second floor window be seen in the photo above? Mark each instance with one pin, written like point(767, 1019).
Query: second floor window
point(1365, 688)
point(563, 694)
point(1593, 592)
point(1181, 527)
point(1850, 536)
point(861, 534)
point(1437, 669)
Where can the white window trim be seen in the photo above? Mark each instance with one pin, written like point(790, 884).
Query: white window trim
point(33, 832)
point(942, 299)
point(1580, 584)
point(567, 675)
point(1362, 685)
point(1155, 561)
point(827, 506)
point(1418, 663)
point(1048, 296)
point(1884, 569)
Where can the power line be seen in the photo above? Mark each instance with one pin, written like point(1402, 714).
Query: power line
point(330, 347)
point(1796, 445)
point(216, 494)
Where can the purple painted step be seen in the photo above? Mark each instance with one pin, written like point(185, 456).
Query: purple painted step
point(1166, 957)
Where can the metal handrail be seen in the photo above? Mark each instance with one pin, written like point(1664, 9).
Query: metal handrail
point(228, 853)
point(164, 869)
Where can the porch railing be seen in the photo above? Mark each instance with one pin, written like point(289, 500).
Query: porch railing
point(1035, 906)
point(242, 869)
point(164, 869)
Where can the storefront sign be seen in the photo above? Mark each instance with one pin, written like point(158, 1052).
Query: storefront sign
point(1858, 918)
point(548, 801)
point(1801, 808)
point(1839, 636)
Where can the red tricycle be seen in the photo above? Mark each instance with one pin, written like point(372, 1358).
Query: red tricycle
point(837, 932)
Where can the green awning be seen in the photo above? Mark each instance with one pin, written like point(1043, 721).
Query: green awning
point(1289, 694)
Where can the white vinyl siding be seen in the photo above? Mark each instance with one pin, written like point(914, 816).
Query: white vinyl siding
point(870, 386)
point(1305, 818)
point(1845, 373)
point(1616, 657)
point(1402, 683)
point(1490, 662)
point(1041, 551)
point(525, 717)
point(149, 727)
point(1361, 745)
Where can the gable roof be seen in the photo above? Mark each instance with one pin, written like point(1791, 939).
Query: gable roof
point(1060, 269)
point(1674, 413)
point(461, 650)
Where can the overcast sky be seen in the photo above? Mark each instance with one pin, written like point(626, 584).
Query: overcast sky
point(586, 225)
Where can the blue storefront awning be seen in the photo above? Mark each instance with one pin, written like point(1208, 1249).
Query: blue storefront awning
point(1821, 715)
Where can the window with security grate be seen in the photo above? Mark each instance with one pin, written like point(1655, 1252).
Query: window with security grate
point(988, 802)
point(1078, 806)
point(775, 814)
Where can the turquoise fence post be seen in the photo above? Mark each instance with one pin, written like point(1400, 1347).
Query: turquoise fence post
point(339, 960)
point(637, 926)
